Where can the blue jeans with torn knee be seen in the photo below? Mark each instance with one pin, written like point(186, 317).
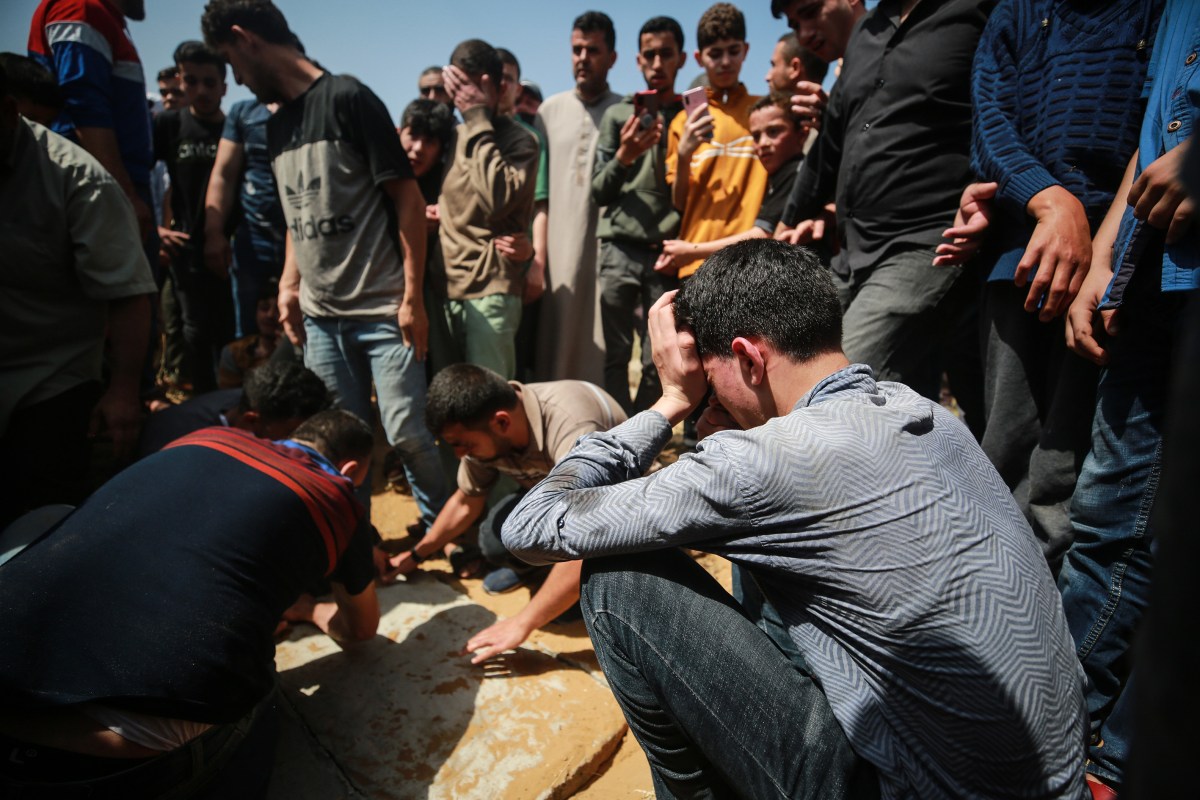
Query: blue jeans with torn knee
point(719, 710)
point(349, 355)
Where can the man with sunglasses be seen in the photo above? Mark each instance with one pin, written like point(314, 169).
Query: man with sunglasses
point(431, 86)
point(187, 140)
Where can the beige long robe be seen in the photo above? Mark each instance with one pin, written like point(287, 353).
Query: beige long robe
point(570, 340)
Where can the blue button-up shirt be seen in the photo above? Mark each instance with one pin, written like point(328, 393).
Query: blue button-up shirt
point(1173, 100)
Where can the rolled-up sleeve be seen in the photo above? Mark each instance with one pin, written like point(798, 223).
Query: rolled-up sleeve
point(596, 502)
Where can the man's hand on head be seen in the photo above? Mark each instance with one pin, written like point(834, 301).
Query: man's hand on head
point(465, 93)
point(677, 362)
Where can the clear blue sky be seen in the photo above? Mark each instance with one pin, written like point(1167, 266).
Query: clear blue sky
point(386, 43)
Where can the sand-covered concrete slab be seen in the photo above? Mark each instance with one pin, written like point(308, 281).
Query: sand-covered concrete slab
point(405, 715)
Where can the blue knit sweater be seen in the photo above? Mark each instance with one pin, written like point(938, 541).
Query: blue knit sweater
point(1057, 88)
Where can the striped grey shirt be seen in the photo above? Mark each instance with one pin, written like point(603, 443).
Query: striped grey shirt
point(894, 553)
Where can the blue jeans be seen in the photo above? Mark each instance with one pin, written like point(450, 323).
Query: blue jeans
point(718, 708)
point(1106, 573)
point(257, 257)
point(351, 354)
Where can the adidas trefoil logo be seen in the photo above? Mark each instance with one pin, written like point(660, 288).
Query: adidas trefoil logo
point(303, 195)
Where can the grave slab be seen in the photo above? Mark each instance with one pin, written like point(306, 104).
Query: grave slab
point(405, 715)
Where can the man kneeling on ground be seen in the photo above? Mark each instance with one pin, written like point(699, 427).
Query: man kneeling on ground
point(941, 664)
point(497, 427)
point(139, 653)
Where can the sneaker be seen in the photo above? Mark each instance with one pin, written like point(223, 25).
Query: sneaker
point(502, 580)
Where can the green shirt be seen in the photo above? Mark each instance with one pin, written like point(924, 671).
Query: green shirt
point(636, 199)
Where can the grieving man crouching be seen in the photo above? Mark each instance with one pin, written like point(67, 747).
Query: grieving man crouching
point(941, 665)
point(138, 653)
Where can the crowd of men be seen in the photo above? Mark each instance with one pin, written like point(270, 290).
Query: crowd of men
point(989, 204)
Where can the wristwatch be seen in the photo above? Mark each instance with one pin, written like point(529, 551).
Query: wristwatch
point(417, 557)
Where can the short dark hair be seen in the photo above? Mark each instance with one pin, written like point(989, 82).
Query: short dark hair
point(260, 17)
point(30, 81)
point(194, 52)
point(662, 25)
point(434, 70)
point(778, 7)
point(425, 117)
point(338, 435)
point(780, 101)
point(720, 21)
point(762, 288)
point(593, 21)
point(476, 57)
point(508, 59)
point(467, 395)
point(815, 67)
point(284, 390)
point(170, 73)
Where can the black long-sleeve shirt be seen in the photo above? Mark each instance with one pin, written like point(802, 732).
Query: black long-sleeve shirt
point(894, 149)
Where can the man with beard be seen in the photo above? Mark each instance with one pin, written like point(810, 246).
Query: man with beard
point(570, 341)
point(499, 427)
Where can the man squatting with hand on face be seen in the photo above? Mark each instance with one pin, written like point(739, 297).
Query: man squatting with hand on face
point(900, 565)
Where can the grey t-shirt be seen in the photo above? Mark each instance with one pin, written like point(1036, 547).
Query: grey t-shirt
point(332, 149)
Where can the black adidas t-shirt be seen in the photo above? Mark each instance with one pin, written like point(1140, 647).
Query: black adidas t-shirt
point(188, 146)
point(332, 149)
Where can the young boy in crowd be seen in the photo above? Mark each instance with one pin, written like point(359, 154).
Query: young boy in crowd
point(718, 184)
point(779, 137)
point(187, 141)
point(426, 127)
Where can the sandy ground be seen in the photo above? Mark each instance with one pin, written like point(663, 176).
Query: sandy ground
point(625, 774)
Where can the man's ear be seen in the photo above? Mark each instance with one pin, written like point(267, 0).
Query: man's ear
point(752, 360)
point(699, 61)
point(240, 34)
point(248, 420)
point(797, 68)
point(501, 421)
point(355, 470)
